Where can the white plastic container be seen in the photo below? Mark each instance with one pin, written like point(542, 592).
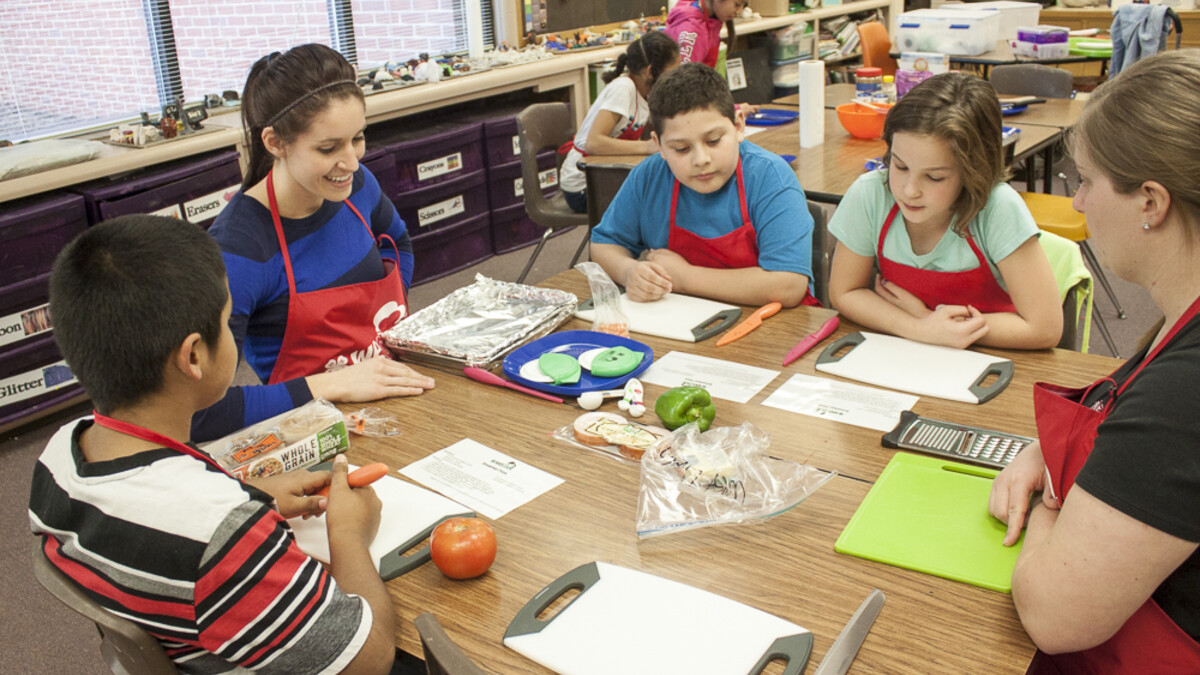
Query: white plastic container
point(1012, 14)
point(959, 32)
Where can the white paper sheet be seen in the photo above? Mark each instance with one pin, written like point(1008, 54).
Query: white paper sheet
point(723, 379)
point(751, 129)
point(842, 402)
point(487, 481)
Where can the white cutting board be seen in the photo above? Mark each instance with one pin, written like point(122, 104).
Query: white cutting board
point(916, 367)
point(631, 622)
point(408, 514)
point(673, 316)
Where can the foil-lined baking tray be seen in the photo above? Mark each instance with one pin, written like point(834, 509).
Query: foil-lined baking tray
point(478, 324)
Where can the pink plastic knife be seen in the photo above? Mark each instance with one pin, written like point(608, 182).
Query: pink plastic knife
point(480, 375)
point(811, 341)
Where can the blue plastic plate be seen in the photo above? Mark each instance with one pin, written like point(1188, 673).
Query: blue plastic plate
point(574, 343)
point(771, 117)
point(1007, 109)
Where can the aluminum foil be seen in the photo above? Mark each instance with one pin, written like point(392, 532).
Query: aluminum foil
point(478, 324)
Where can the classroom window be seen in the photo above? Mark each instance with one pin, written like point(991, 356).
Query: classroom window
point(73, 64)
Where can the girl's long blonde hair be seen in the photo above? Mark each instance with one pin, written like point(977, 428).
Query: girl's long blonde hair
point(962, 110)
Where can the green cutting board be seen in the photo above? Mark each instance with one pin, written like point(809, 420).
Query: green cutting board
point(930, 515)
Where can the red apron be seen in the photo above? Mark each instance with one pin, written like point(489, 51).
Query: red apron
point(631, 132)
point(735, 250)
point(1149, 641)
point(975, 287)
point(332, 328)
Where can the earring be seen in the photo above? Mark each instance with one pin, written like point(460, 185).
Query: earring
point(1146, 226)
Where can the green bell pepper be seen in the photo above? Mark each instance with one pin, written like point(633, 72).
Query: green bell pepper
point(678, 406)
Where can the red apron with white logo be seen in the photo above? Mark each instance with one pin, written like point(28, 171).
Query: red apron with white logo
point(975, 287)
point(1149, 641)
point(735, 250)
point(336, 327)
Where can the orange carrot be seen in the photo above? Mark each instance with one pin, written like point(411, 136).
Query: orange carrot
point(364, 475)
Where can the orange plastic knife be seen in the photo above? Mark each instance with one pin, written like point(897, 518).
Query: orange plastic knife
point(753, 321)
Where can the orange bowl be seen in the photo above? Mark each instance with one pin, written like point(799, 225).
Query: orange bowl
point(862, 122)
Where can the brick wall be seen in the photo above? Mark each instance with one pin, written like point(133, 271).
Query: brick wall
point(73, 63)
point(398, 30)
point(218, 40)
point(70, 62)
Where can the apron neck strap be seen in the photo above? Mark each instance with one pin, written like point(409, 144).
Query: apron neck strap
point(142, 433)
point(1191, 312)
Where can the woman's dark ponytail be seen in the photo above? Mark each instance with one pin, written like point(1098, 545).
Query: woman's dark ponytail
point(615, 72)
point(655, 49)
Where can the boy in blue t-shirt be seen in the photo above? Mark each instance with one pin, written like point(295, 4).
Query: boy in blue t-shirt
point(714, 215)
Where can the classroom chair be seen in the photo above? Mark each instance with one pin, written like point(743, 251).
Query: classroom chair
point(1033, 79)
point(1054, 214)
point(542, 126)
point(823, 243)
point(1075, 290)
point(125, 647)
point(875, 42)
point(442, 655)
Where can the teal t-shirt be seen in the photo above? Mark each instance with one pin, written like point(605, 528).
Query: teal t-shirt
point(999, 229)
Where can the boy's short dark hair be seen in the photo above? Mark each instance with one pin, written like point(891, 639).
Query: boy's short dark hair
point(125, 294)
point(691, 86)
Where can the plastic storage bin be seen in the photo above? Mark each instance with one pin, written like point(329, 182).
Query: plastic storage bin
point(382, 165)
point(791, 42)
point(1042, 42)
point(33, 231)
point(442, 252)
point(432, 153)
point(194, 189)
point(505, 186)
point(1012, 14)
point(33, 379)
point(24, 311)
point(442, 206)
point(786, 74)
point(958, 32)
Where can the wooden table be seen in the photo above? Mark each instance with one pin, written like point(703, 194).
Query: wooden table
point(786, 566)
point(825, 171)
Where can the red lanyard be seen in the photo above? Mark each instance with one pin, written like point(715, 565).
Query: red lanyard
point(154, 437)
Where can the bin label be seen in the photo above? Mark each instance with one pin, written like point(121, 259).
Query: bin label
point(439, 166)
point(546, 179)
point(207, 207)
point(23, 324)
point(516, 145)
point(441, 211)
point(35, 383)
point(171, 211)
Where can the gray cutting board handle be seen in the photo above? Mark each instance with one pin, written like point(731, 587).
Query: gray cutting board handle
point(1004, 373)
point(852, 340)
point(526, 621)
point(400, 561)
point(794, 649)
point(714, 325)
point(717, 323)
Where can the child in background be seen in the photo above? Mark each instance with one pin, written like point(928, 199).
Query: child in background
point(696, 26)
point(955, 247)
point(151, 527)
point(617, 120)
point(715, 216)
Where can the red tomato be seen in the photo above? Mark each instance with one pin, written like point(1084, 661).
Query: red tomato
point(463, 548)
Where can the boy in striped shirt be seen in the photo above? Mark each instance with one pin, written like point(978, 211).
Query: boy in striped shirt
point(149, 526)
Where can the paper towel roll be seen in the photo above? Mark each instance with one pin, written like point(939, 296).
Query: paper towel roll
point(812, 103)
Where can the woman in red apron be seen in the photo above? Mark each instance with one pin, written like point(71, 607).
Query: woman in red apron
point(617, 119)
point(1108, 580)
point(944, 193)
point(318, 260)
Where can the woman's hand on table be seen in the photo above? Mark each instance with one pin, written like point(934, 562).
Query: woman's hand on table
point(369, 380)
point(295, 492)
point(1011, 490)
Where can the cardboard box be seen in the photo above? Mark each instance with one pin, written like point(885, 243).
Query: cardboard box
point(770, 7)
